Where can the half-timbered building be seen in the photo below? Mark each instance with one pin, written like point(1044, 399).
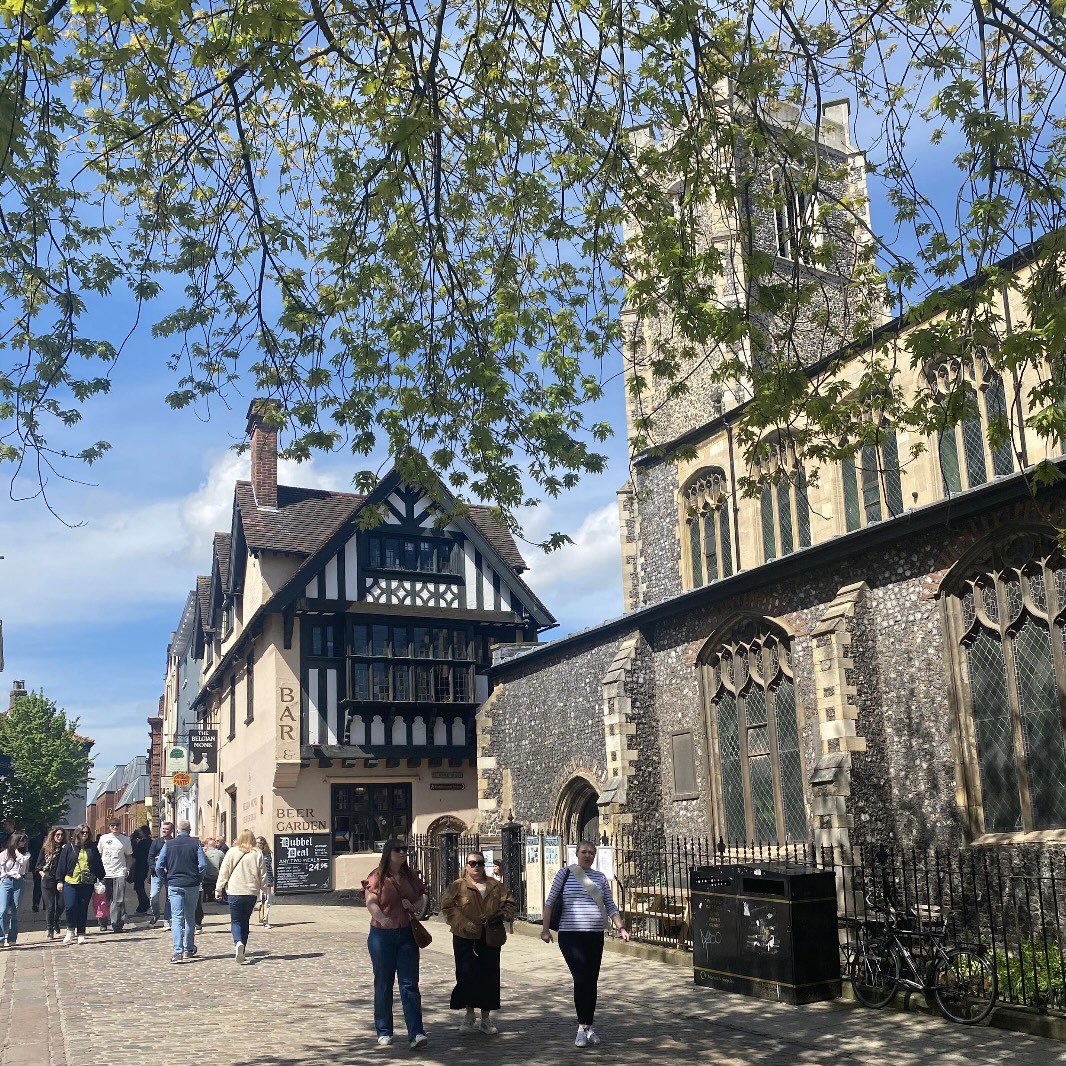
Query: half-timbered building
point(344, 659)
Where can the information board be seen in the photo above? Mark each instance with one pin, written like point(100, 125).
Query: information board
point(302, 862)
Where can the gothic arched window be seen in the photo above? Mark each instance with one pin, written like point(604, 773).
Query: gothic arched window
point(707, 529)
point(872, 486)
point(964, 451)
point(755, 735)
point(795, 217)
point(1009, 616)
point(784, 510)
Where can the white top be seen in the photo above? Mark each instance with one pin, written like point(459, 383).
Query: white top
point(581, 913)
point(114, 847)
point(15, 867)
point(482, 888)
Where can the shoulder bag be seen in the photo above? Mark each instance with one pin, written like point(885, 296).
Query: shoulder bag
point(423, 937)
point(593, 891)
point(557, 910)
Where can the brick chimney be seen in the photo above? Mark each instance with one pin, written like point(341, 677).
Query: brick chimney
point(264, 455)
point(18, 688)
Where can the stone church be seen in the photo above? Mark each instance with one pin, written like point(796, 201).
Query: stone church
point(873, 651)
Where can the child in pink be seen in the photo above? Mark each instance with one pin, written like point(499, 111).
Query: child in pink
point(102, 909)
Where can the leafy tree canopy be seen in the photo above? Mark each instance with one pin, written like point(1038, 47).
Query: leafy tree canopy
point(413, 223)
point(49, 761)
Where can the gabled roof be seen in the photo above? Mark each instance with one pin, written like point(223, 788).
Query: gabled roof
point(222, 550)
point(498, 536)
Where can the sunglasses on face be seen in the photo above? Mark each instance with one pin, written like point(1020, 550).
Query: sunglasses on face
point(401, 847)
point(475, 862)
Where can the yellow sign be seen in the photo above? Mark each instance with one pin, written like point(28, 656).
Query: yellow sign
point(182, 779)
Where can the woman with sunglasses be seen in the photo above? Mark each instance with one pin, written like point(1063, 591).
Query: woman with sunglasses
point(394, 892)
point(78, 870)
point(477, 909)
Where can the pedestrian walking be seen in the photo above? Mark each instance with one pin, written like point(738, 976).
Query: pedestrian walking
point(394, 893)
point(116, 850)
point(51, 892)
point(477, 908)
point(580, 906)
point(36, 842)
point(14, 865)
point(142, 844)
point(242, 877)
point(78, 870)
point(159, 901)
point(183, 861)
point(214, 856)
point(266, 898)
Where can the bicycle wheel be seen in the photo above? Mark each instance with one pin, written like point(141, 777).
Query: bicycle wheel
point(964, 986)
point(875, 971)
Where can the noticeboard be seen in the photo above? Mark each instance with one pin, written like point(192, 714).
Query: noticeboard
point(302, 862)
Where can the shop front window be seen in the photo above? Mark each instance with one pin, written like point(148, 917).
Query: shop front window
point(366, 815)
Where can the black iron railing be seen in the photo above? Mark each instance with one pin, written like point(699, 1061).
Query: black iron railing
point(1010, 898)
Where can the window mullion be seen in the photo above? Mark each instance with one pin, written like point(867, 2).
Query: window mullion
point(1020, 760)
point(745, 777)
point(775, 758)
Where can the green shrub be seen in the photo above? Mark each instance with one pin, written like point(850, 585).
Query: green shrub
point(1042, 968)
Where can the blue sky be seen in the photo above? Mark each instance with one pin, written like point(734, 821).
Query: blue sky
point(88, 611)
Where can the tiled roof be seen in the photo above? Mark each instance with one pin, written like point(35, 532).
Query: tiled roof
point(306, 518)
point(303, 521)
point(498, 536)
point(222, 550)
point(203, 594)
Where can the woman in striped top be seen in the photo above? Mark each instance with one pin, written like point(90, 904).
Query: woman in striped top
point(587, 907)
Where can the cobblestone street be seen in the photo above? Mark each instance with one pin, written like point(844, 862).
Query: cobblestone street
point(305, 997)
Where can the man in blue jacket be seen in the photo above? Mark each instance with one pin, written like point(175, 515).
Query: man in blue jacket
point(183, 862)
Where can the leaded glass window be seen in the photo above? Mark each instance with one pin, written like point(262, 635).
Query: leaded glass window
point(707, 518)
point(752, 700)
point(1010, 612)
point(971, 392)
point(784, 510)
point(872, 486)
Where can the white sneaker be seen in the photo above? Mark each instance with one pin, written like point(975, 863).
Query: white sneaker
point(238, 953)
point(593, 1036)
point(468, 1025)
point(582, 1039)
point(486, 1026)
point(81, 940)
point(384, 1041)
point(419, 1041)
point(69, 938)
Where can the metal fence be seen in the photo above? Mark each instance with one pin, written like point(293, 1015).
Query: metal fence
point(1012, 899)
point(439, 859)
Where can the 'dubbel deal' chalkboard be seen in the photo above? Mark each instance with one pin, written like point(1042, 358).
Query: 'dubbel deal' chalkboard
point(301, 862)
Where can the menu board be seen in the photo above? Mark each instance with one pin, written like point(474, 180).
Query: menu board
point(301, 862)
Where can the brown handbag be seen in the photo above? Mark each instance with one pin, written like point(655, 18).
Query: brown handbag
point(496, 933)
point(423, 937)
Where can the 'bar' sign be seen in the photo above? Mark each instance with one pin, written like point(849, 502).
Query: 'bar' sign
point(302, 862)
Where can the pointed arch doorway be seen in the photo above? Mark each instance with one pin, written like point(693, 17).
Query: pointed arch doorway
point(577, 814)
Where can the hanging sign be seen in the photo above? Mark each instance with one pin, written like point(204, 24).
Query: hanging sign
point(181, 779)
point(177, 758)
point(203, 751)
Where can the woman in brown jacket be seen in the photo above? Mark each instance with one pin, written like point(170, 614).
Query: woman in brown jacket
point(477, 909)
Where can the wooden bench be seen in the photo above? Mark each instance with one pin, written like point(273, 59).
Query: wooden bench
point(672, 920)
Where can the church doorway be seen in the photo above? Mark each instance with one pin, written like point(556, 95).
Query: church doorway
point(577, 812)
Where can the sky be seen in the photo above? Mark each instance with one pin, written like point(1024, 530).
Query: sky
point(89, 606)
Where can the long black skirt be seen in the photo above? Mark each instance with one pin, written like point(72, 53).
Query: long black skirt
point(477, 975)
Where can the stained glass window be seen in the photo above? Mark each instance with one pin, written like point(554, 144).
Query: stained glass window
point(1015, 668)
point(760, 766)
point(785, 511)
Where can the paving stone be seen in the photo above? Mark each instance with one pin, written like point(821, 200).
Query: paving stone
point(306, 997)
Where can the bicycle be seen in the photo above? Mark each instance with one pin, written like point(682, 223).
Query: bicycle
point(962, 980)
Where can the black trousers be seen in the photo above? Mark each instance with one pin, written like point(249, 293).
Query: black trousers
point(77, 898)
point(37, 889)
point(139, 877)
point(583, 953)
point(53, 902)
point(477, 975)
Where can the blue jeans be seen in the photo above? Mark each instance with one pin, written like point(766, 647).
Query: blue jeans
point(10, 896)
point(183, 900)
point(395, 956)
point(159, 893)
point(240, 914)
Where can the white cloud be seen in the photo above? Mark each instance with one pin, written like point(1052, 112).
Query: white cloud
point(129, 555)
point(581, 583)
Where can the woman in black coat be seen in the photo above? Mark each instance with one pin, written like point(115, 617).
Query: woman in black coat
point(78, 869)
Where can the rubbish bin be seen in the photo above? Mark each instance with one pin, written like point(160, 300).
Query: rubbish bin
point(767, 930)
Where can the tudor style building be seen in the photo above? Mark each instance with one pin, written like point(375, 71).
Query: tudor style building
point(343, 666)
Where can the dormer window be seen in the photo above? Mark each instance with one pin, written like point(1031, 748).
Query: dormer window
point(706, 524)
